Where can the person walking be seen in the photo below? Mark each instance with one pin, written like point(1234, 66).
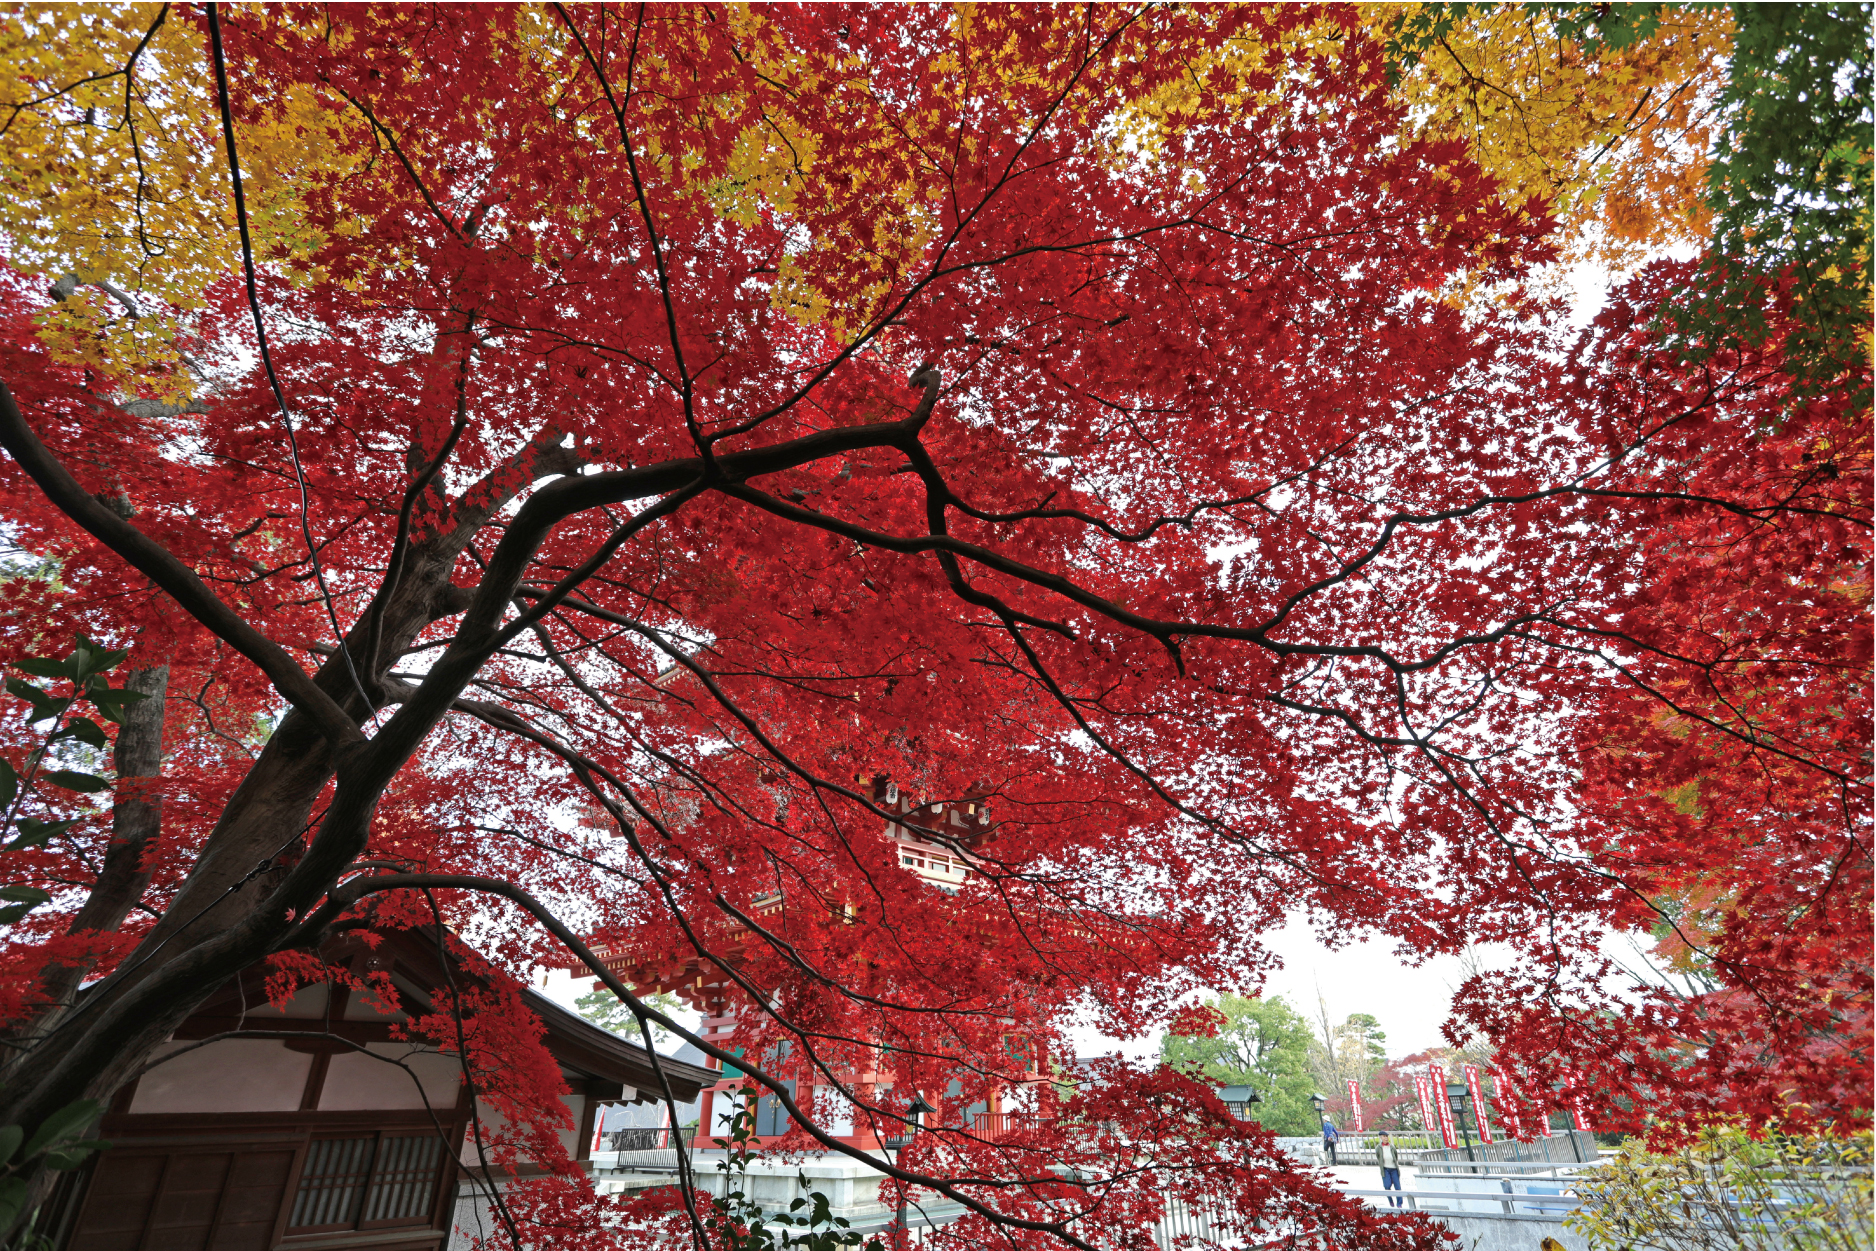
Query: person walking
point(1389, 1159)
point(1329, 1139)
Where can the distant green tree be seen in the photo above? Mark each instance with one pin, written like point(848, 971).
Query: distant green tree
point(1361, 1044)
point(1263, 1043)
point(1357, 1049)
point(603, 1009)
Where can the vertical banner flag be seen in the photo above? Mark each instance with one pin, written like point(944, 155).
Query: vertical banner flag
point(1354, 1102)
point(1476, 1089)
point(1577, 1119)
point(1427, 1120)
point(1505, 1108)
point(1436, 1078)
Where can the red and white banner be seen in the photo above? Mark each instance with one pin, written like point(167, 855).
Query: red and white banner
point(1477, 1091)
point(1354, 1103)
point(1428, 1121)
point(1436, 1077)
point(1506, 1111)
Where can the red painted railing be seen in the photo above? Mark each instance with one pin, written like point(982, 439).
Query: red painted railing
point(998, 1126)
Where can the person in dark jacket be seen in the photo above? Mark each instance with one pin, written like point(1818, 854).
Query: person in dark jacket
point(1329, 1139)
point(1389, 1159)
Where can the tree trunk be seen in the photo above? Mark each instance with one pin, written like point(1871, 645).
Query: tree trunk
point(136, 820)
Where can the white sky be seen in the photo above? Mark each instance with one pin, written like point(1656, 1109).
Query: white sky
point(1410, 1002)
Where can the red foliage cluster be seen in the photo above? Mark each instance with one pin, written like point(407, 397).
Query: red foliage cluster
point(1216, 545)
point(1723, 781)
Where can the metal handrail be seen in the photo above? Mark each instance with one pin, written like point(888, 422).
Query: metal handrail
point(1508, 1199)
point(1494, 1196)
point(1484, 1168)
point(638, 1138)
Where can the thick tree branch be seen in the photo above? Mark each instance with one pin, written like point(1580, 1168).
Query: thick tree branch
point(173, 577)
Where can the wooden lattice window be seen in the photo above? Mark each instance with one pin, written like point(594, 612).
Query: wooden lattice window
point(367, 1182)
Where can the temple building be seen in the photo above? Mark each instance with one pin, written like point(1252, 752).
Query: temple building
point(311, 1127)
point(946, 864)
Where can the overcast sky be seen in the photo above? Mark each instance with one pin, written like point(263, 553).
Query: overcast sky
point(1409, 1002)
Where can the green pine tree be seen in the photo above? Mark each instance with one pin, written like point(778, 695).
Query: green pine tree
point(603, 1009)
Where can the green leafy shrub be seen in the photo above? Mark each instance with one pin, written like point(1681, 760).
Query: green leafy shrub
point(1730, 1190)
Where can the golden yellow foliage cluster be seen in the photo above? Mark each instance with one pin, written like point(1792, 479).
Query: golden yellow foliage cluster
point(1614, 143)
point(114, 184)
point(112, 169)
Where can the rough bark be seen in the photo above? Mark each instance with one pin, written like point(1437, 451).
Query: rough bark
point(136, 820)
point(258, 868)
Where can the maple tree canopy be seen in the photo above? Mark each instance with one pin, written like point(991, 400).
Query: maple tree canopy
point(1120, 423)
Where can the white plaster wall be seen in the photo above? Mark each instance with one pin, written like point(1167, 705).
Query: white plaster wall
point(308, 1003)
point(363, 1005)
point(570, 1138)
point(493, 1121)
point(832, 1111)
point(358, 1083)
point(852, 1189)
point(474, 1222)
point(722, 1112)
point(233, 1075)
